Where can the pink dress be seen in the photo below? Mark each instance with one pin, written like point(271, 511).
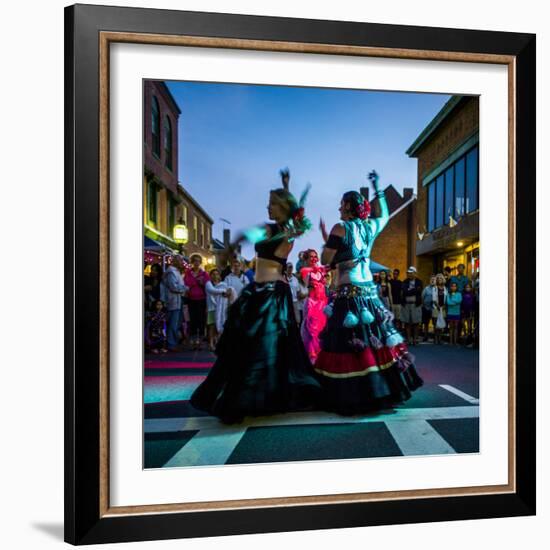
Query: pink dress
point(314, 315)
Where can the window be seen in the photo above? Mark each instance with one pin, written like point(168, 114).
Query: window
point(155, 126)
point(184, 214)
point(471, 180)
point(454, 192)
point(439, 189)
point(195, 229)
point(168, 143)
point(431, 204)
point(202, 234)
point(171, 215)
point(207, 236)
point(459, 188)
point(152, 202)
point(449, 194)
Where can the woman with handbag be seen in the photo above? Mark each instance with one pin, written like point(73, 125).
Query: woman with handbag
point(439, 300)
point(427, 307)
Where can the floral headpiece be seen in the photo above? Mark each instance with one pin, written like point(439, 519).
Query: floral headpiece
point(298, 214)
point(363, 210)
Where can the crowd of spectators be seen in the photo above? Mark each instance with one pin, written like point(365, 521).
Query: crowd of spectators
point(186, 306)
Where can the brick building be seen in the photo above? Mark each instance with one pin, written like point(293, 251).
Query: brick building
point(199, 224)
point(395, 246)
point(448, 189)
point(165, 201)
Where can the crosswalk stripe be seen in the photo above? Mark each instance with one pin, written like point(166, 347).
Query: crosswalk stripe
point(398, 415)
point(418, 437)
point(465, 396)
point(208, 447)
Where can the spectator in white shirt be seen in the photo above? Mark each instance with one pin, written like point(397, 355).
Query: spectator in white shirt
point(236, 280)
point(218, 298)
point(298, 291)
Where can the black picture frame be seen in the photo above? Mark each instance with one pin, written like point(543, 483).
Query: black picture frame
point(84, 523)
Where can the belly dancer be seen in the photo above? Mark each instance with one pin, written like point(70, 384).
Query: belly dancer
point(262, 366)
point(364, 363)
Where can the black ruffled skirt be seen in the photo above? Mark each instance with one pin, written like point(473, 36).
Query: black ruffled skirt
point(262, 366)
point(364, 364)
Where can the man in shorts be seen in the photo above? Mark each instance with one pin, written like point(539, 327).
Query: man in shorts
point(411, 305)
point(396, 285)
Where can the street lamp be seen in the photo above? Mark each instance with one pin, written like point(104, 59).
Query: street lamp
point(181, 233)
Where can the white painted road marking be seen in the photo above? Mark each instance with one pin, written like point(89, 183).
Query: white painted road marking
point(465, 396)
point(214, 442)
point(208, 447)
point(290, 419)
point(417, 437)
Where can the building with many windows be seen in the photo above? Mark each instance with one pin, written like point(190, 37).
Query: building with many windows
point(448, 189)
point(160, 182)
point(165, 201)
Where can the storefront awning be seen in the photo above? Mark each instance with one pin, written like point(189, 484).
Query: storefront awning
point(153, 246)
point(375, 267)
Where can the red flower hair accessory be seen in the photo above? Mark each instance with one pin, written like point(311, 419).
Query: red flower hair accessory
point(299, 214)
point(363, 210)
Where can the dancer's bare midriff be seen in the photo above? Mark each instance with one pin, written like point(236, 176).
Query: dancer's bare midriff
point(267, 270)
point(353, 272)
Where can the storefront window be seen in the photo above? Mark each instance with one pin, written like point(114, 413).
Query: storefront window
point(471, 180)
point(459, 188)
point(472, 260)
point(452, 260)
point(431, 204)
point(454, 192)
point(439, 189)
point(449, 194)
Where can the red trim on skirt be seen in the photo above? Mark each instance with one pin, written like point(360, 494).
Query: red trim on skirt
point(358, 362)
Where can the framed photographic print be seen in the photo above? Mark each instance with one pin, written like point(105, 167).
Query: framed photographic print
point(296, 274)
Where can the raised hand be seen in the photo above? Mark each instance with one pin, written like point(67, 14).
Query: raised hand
point(323, 229)
point(374, 178)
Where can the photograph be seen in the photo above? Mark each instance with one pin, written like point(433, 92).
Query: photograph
point(311, 261)
point(274, 317)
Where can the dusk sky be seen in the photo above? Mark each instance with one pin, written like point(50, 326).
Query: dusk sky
point(234, 139)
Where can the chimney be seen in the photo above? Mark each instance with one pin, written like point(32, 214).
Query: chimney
point(226, 237)
point(408, 193)
point(365, 192)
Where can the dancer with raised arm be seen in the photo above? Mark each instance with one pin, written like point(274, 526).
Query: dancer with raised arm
point(262, 366)
point(363, 363)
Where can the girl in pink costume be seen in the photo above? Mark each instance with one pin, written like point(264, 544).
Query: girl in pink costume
point(315, 319)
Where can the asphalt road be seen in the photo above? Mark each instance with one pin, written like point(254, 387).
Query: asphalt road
point(442, 417)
